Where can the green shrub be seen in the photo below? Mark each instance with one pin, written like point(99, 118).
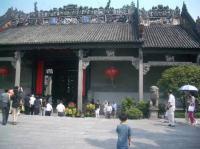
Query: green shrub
point(179, 114)
point(134, 113)
point(144, 107)
point(197, 115)
point(127, 104)
point(134, 109)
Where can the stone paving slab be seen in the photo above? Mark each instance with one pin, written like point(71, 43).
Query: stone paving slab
point(40, 132)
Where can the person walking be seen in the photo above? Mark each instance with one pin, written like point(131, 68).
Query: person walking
point(171, 108)
point(43, 106)
point(114, 109)
point(16, 98)
point(191, 108)
point(60, 109)
point(37, 105)
point(32, 99)
point(124, 133)
point(97, 109)
point(105, 107)
point(27, 104)
point(108, 110)
point(5, 105)
point(48, 109)
point(21, 95)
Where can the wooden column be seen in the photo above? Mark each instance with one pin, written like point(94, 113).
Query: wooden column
point(40, 77)
point(140, 74)
point(17, 68)
point(80, 81)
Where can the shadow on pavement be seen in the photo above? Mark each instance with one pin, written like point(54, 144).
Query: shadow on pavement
point(180, 137)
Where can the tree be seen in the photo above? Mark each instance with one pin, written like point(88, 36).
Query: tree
point(175, 77)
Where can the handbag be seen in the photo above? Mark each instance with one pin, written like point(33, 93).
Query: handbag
point(191, 108)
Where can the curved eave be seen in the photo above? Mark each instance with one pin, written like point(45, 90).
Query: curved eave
point(72, 45)
point(172, 50)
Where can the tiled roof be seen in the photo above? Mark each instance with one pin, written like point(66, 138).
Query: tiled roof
point(165, 36)
point(115, 32)
point(168, 36)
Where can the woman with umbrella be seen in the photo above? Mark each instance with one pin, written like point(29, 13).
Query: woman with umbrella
point(189, 89)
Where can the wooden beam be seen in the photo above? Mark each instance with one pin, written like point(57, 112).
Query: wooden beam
point(163, 63)
point(7, 59)
point(110, 58)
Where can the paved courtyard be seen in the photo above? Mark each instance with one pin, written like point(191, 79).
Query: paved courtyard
point(37, 132)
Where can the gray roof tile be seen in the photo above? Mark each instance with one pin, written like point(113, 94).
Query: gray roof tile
point(168, 36)
point(115, 32)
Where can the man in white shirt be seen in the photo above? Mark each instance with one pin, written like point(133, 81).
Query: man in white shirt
point(61, 109)
point(48, 109)
point(31, 101)
point(171, 107)
point(108, 110)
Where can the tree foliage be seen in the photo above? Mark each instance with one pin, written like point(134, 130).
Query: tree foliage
point(175, 77)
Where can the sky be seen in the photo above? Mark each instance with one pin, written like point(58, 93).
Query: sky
point(28, 5)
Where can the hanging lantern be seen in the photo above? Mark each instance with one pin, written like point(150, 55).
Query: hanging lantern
point(4, 71)
point(112, 73)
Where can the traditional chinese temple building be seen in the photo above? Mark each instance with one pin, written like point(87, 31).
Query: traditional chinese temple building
point(77, 54)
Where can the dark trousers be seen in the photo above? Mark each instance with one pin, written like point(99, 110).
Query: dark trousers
point(5, 114)
point(36, 111)
point(32, 109)
point(47, 113)
point(61, 114)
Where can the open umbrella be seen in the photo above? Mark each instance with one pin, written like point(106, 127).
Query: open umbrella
point(188, 88)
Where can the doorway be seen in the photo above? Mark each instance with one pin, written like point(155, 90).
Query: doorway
point(61, 81)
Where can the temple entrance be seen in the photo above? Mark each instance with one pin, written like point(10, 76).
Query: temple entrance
point(61, 81)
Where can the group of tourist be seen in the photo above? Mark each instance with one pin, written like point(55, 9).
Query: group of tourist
point(12, 101)
point(109, 110)
point(34, 105)
point(190, 109)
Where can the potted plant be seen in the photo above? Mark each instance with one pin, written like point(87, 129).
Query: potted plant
point(90, 108)
point(71, 109)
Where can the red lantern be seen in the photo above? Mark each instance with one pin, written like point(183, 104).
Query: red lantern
point(4, 71)
point(112, 72)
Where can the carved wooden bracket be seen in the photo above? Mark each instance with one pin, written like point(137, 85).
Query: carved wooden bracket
point(110, 52)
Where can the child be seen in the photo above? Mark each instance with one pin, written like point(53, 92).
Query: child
point(124, 133)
